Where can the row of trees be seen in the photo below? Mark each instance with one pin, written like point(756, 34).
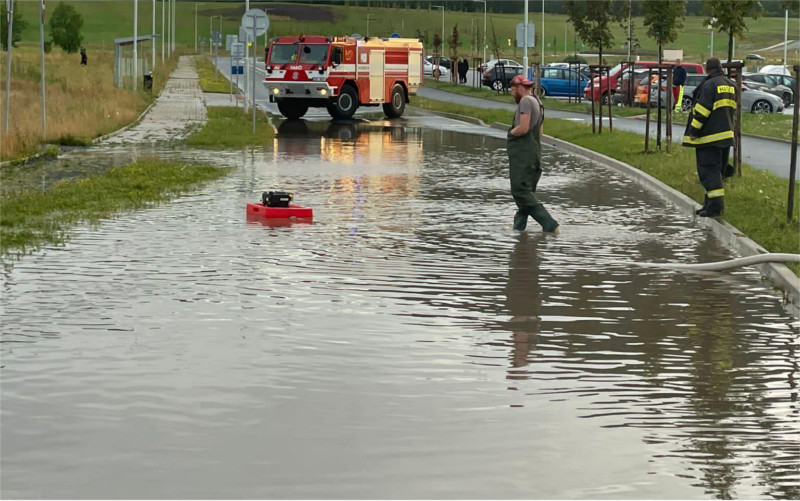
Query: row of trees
point(65, 27)
point(692, 7)
point(663, 18)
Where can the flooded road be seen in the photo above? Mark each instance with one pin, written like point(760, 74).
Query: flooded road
point(407, 344)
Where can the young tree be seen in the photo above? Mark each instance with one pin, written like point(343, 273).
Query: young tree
point(730, 16)
point(592, 19)
point(65, 27)
point(494, 44)
point(663, 18)
point(437, 43)
point(454, 43)
point(17, 26)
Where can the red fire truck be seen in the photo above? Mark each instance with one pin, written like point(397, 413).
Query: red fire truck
point(342, 73)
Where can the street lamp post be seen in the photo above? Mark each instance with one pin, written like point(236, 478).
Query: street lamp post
point(484, 28)
point(711, 27)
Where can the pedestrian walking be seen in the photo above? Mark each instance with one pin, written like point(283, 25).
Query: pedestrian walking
point(466, 69)
point(678, 81)
point(83, 56)
point(525, 157)
point(710, 131)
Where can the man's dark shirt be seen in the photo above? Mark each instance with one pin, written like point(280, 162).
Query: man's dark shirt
point(679, 76)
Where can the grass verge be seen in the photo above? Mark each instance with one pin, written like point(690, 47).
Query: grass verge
point(232, 128)
point(754, 203)
point(32, 218)
point(82, 102)
point(766, 125)
point(207, 82)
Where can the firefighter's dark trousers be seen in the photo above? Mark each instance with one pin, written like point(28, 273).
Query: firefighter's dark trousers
point(711, 162)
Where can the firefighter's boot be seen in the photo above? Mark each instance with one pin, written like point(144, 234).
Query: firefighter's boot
point(520, 220)
point(544, 218)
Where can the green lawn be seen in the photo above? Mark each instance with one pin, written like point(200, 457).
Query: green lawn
point(754, 203)
point(208, 81)
point(693, 39)
point(33, 217)
point(232, 128)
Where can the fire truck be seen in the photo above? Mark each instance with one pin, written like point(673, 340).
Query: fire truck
point(342, 73)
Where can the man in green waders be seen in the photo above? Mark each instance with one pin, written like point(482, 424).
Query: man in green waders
point(525, 157)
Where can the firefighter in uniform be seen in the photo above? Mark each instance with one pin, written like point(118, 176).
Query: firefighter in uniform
point(710, 132)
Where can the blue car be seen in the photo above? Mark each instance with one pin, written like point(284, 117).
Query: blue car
point(556, 82)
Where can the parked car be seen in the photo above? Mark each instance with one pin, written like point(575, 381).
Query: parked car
point(786, 80)
point(491, 64)
point(772, 84)
point(755, 57)
point(434, 71)
point(602, 88)
point(494, 77)
point(557, 81)
point(620, 95)
point(775, 69)
point(753, 101)
point(444, 62)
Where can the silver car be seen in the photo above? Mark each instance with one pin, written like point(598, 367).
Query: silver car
point(753, 101)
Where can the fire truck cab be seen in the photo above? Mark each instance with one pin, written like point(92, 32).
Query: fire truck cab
point(342, 73)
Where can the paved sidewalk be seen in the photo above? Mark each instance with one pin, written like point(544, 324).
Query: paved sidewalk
point(176, 112)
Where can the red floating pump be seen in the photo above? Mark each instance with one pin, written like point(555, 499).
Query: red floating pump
point(293, 210)
point(277, 205)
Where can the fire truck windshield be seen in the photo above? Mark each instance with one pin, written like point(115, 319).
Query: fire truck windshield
point(314, 54)
point(283, 53)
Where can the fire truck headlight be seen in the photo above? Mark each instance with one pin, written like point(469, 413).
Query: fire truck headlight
point(276, 90)
point(323, 92)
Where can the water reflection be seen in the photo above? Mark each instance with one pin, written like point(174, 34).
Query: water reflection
point(405, 334)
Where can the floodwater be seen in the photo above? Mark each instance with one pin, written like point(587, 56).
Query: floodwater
point(407, 344)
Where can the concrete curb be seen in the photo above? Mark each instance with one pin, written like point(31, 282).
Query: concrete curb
point(730, 236)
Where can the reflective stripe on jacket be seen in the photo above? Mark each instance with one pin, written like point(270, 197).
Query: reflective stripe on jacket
point(711, 117)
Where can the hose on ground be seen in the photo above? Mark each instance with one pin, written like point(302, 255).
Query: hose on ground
point(729, 264)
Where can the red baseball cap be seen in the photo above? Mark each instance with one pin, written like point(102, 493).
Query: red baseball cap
point(521, 80)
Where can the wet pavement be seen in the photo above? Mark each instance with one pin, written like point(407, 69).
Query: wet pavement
point(406, 344)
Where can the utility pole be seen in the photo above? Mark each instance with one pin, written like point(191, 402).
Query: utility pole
point(135, 40)
point(785, 45)
point(162, 32)
point(525, 43)
point(153, 40)
point(541, 38)
point(41, 52)
point(10, 14)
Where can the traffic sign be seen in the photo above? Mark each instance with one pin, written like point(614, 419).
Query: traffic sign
point(230, 39)
point(261, 20)
point(237, 50)
point(521, 35)
point(395, 35)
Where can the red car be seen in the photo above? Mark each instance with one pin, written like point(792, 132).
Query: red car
point(600, 86)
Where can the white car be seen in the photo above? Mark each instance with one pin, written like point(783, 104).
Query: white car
point(435, 71)
point(491, 64)
point(775, 69)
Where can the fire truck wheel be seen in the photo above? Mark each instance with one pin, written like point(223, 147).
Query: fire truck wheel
point(292, 110)
point(395, 107)
point(345, 105)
